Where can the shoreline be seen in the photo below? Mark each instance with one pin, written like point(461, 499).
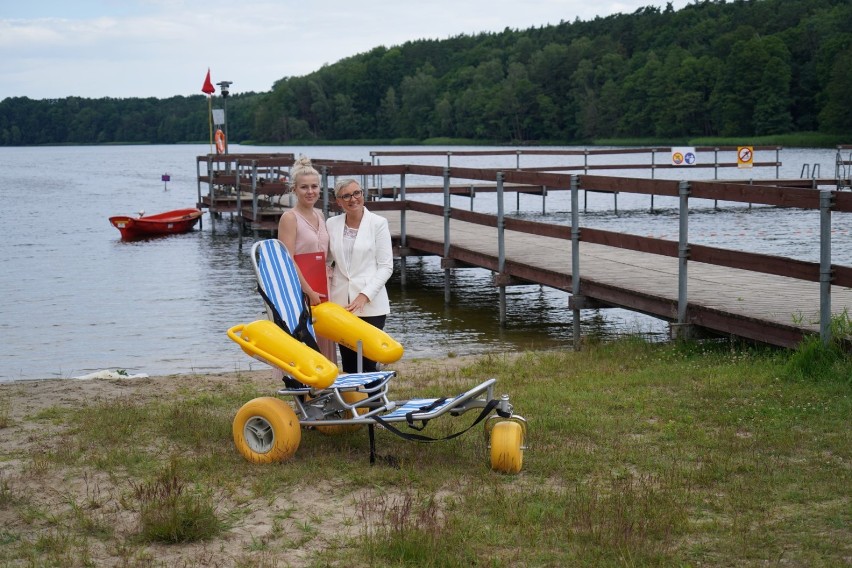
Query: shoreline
point(28, 395)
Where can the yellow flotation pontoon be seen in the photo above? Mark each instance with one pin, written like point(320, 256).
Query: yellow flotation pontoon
point(333, 322)
point(267, 342)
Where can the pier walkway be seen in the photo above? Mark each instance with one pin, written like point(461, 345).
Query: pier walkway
point(762, 307)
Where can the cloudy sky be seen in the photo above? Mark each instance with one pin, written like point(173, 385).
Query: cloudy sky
point(162, 48)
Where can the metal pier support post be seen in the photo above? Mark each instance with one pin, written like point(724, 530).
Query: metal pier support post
point(826, 200)
point(211, 194)
point(715, 163)
point(198, 183)
point(653, 173)
point(240, 219)
point(447, 230)
point(255, 206)
point(777, 162)
point(575, 259)
point(325, 191)
point(501, 246)
point(403, 239)
point(681, 329)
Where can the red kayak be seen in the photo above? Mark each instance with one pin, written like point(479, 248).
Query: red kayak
point(168, 223)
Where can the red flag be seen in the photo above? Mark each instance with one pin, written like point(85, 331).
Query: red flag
point(208, 87)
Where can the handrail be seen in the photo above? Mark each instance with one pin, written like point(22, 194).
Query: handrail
point(754, 192)
point(586, 153)
point(753, 262)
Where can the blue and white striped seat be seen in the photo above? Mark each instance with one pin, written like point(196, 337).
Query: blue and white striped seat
point(279, 281)
point(423, 408)
point(360, 379)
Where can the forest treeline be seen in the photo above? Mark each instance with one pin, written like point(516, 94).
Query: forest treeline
point(713, 68)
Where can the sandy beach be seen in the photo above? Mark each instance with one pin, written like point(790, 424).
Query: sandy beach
point(29, 431)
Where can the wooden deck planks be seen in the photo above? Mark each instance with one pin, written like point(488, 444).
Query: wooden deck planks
point(639, 280)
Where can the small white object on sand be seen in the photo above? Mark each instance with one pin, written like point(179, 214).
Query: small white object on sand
point(107, 374)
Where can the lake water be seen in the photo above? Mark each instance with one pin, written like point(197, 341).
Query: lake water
point(76, 299)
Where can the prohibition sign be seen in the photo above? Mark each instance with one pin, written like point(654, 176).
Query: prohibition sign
point(745, 155)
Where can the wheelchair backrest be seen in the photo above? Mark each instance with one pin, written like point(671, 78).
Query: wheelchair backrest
point(278, 280)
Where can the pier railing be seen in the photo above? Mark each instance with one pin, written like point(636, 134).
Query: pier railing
point(454, 181)
point(825, 201)
point(653, 158)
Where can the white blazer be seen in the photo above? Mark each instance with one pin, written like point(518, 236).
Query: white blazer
point(370, 267)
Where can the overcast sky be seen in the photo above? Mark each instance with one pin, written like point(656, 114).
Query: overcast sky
point(162, 48)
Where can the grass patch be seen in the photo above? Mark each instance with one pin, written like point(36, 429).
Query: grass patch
point(409, 528)
point(815, 359)
point(791, 140)
point(171, 512)
point(641, 142)
point(7, 498)
point(5, 407)
point(640, 454)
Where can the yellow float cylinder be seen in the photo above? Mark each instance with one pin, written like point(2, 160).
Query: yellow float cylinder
point(264, 340)
point(333, 322)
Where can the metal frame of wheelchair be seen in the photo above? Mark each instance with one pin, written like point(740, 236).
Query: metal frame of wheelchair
point(267, 429)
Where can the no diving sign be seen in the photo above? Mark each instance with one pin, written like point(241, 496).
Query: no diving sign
point(683, 156)
point(745, 156)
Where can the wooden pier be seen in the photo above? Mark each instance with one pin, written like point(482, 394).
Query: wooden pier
point(252, 189)
point(768, 308)
point(696, 288)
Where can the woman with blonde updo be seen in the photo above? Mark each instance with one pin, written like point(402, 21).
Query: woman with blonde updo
point(302, 230)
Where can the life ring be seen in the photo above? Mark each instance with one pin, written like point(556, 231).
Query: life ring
point(220, 141)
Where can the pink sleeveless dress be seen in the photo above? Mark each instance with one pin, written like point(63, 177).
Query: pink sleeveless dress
point(310, 239)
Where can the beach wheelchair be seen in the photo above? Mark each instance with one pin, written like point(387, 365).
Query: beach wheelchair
point(268, 429)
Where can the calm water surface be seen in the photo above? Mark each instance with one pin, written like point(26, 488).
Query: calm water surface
point(76, 299)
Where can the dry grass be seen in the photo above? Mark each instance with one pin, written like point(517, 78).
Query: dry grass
point(640, 455)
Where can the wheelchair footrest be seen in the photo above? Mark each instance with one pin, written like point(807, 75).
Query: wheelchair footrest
point(429, 408)
point(413, 406)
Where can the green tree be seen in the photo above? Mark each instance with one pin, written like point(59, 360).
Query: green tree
point(772, 108)
point(644, 103)
point(387, 118)
point(836, 115)
point(418, 94)
point(731, 68)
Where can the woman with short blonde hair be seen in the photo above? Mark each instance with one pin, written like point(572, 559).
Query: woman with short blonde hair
point(362, 256)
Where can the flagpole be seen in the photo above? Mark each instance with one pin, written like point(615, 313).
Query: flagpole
point(208, 89)
point(210, 119)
